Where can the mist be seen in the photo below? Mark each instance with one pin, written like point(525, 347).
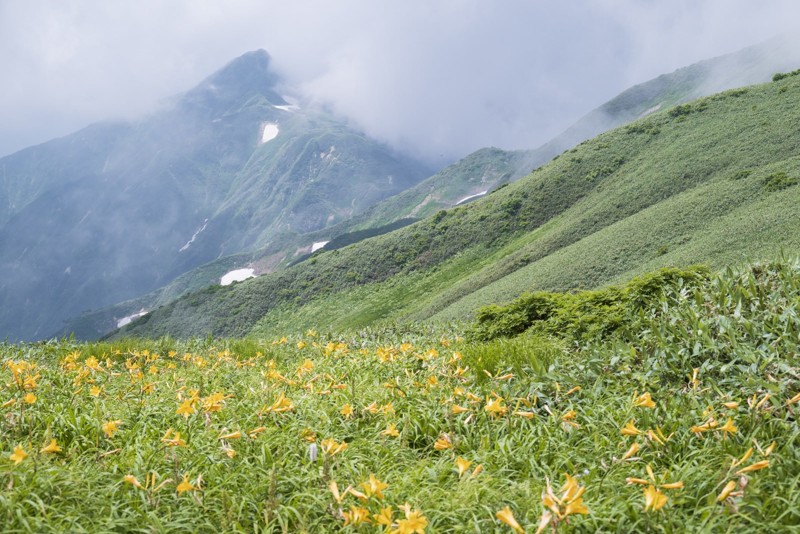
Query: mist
point(435, 79)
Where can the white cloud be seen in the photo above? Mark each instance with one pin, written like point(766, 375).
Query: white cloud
point(436, 77)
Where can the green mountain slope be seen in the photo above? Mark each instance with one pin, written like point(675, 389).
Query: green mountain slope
point(710, 181)
point(118, 210)
point(487, 169)
point(472, 176)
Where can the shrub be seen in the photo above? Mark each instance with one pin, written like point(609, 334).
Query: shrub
point(778, 181)
point(585, 315)
point(778, 76)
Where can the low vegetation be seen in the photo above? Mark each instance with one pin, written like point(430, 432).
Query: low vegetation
point(713, 182)
point(683, 417)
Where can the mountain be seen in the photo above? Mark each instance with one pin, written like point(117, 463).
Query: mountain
point(471, 177)
point(711, 181)
point(486, 169)
point(120, 209)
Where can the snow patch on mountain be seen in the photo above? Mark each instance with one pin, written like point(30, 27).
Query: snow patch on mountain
point(126, 320)
point(476, 195)
point(318, 245)
point(236, 276)
point(269, 131)
point(651, 110)
point(197, 233)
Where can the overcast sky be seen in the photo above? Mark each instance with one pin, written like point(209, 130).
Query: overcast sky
point(437, 77)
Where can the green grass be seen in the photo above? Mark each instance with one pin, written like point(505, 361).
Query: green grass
point(731, 337)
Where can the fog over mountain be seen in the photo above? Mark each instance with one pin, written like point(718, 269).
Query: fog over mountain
point(439, 79)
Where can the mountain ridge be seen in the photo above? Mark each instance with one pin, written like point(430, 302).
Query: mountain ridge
point(131, 206)
point(580, 221)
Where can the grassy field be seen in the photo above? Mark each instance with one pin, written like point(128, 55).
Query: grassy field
point(680, 414)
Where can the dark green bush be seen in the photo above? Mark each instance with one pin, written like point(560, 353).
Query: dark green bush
point(683, 110)
point(585, 315)
point(778, 181)
point(778, 76)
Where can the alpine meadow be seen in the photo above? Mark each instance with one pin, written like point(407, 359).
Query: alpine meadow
point(249, 315)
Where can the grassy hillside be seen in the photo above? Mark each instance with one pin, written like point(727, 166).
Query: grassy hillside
point(667, 405)
point(710, 181)
point(482, 171)
point(492, 167)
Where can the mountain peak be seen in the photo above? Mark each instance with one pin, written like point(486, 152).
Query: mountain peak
point(246, 76)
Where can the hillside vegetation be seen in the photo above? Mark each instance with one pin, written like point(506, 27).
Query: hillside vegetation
point(709, 181)
point(676, 412)
point(481, 171)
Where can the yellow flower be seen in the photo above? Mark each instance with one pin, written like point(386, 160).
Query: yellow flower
point(496, 407)
point(130, 479)
point(526, 415)
point(186, 408)
point(214, 402)
point(694, 381)
point(374, 487)
point(653, 499)
point(356, 516)
point(705, 427)
point(18, 455)
point(30, 398)
point(743, 459)
point(256, 431)
point(414, 523)
point(630, 430)
point(282, 404)
point(51, 447)
point(185, 485)
point(462, 464)
point(456, 409)
point(231, 453)
point(334, 487)
point(507, 516)
point(757, 405)
point(729, 427)
point(754, 467)
point(731, 405)
point(769, 449)
point(384, 518)
point(331, 447)
point(726, 491)
point(301, 344)
point(175, 440)
point(631, 451)
point(476, 471)
point(443, 443)
point(391, 430)
point(110, 427)
point(232, 435)
point(95, 391)
point(558, 508)
point(644, 401)
point(568, 420)
point(347, 411)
